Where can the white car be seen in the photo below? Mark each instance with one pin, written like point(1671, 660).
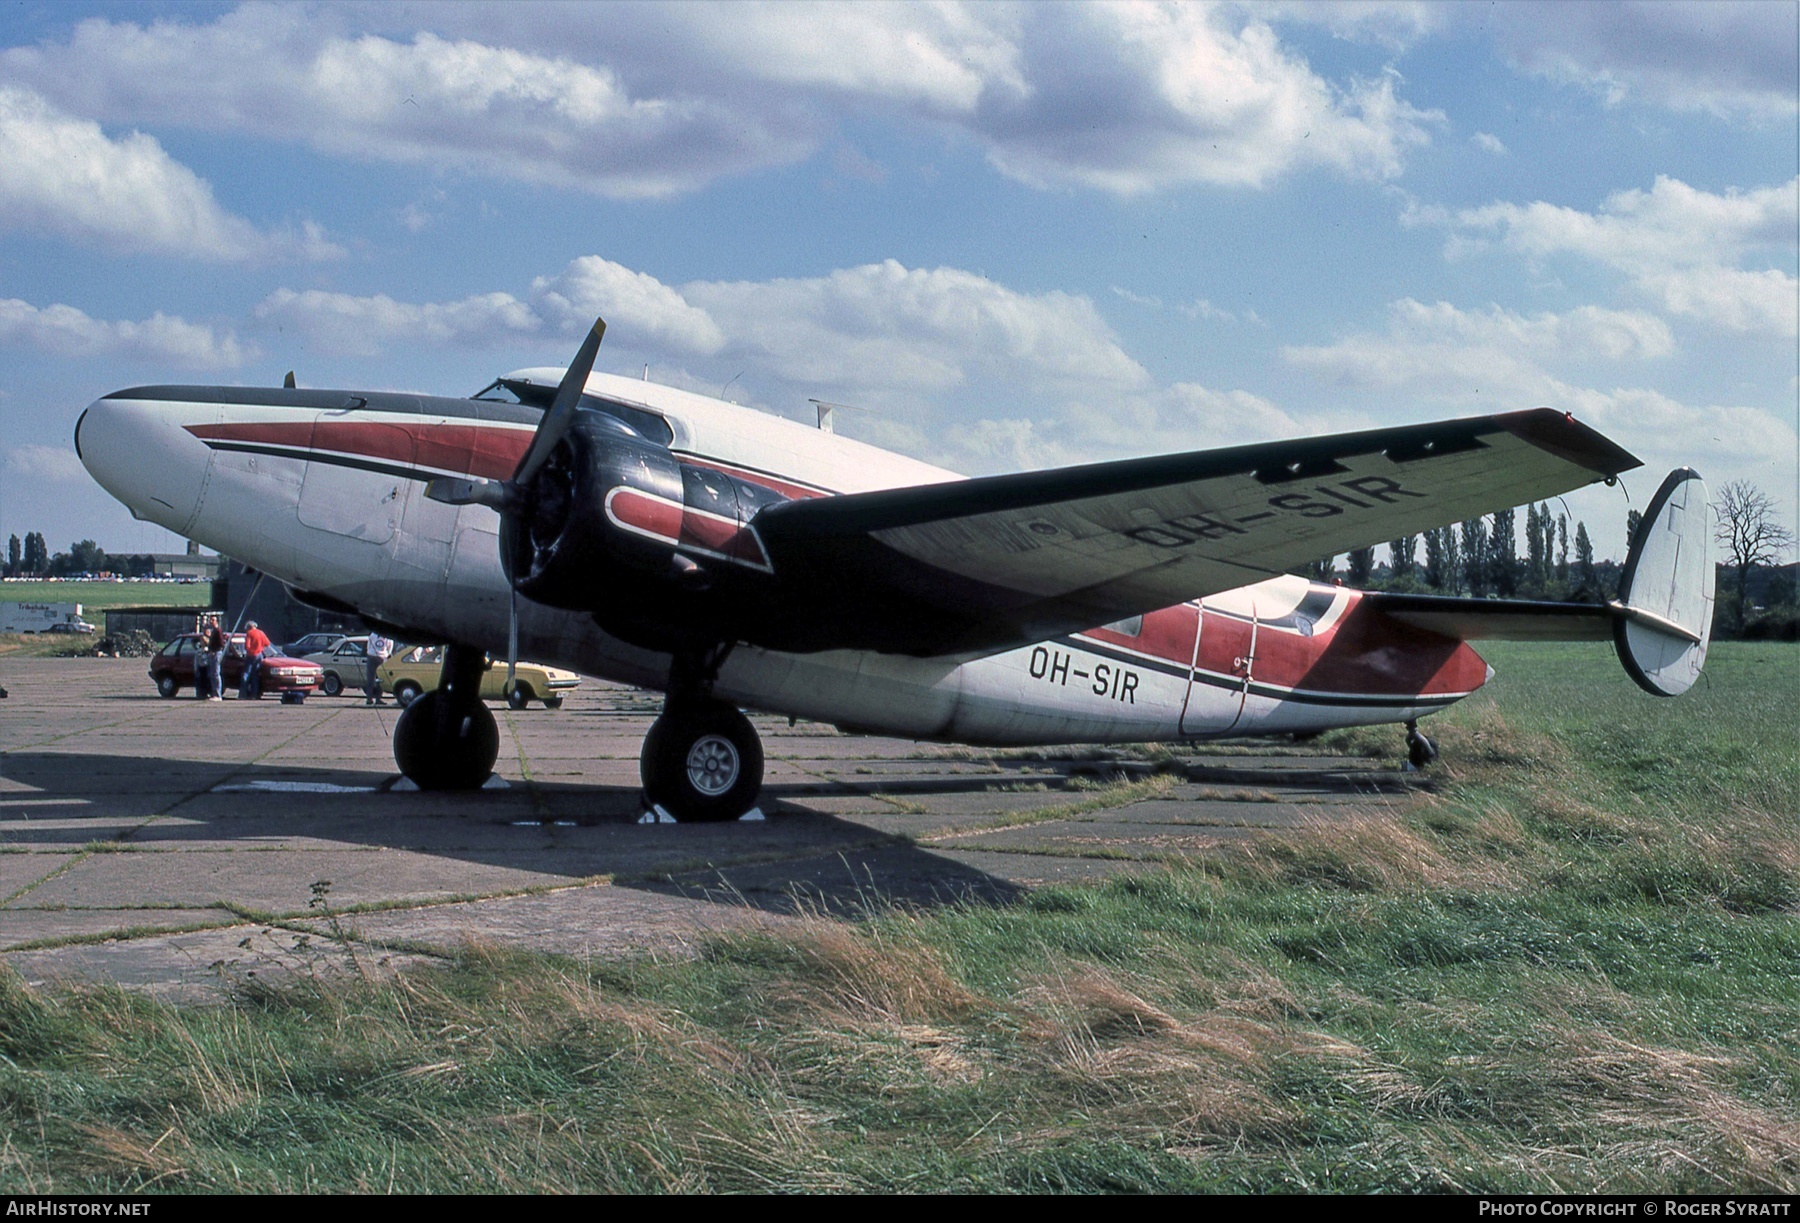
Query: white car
point(345, 664)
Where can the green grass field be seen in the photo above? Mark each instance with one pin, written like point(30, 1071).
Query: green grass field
point(1574, 968)
point(98, 596)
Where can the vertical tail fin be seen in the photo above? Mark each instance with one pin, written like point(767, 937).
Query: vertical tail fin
point(1663, 615)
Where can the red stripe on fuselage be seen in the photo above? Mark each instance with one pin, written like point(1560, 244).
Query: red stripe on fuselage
point(1362, 653)
point(775, 484)
point(475, 450)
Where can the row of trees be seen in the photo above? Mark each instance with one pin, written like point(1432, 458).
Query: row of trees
point(31, 557)
point(1480, 557)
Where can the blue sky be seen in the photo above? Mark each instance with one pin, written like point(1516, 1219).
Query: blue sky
point(1018, 235)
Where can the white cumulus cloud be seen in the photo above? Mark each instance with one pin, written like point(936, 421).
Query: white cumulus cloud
point(66, 331)
point(49, 464)
point(367, 326)
point(591, 286)
point(1450, 360)
point(1130, 98)
point(1678, 244)
point(1727, 57)
point(890, 325)
point(64, 175)
point(651, 101)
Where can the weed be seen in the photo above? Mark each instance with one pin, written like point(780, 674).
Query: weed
point(1570, 969)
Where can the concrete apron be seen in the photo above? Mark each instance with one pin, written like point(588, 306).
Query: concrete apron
point(195, 849)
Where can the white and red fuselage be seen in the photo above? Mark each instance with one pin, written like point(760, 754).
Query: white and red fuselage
point(325, 491)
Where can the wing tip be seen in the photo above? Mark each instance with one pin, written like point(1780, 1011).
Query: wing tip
point(1560, 434)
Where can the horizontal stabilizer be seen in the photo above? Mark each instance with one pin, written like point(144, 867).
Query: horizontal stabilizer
point(1498, 619)
point(1660, 624)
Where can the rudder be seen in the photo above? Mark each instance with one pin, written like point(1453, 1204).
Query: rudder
point(1663, 620)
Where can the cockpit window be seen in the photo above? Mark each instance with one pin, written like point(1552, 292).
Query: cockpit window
point(642, 420)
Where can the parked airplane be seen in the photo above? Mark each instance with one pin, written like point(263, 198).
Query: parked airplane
point(734, 560)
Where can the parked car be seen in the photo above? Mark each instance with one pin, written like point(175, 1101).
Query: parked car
point(172, 668)
point(312, 643)
point(345, 664)
point(413, 670)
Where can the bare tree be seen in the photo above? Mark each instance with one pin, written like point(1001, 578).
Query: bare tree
point(1749, 530)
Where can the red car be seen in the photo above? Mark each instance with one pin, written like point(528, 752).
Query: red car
point(172, 668)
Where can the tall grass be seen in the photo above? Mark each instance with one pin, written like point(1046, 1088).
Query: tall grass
point(1575, 967)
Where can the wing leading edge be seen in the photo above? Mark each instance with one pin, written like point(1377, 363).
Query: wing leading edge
point(999, 560)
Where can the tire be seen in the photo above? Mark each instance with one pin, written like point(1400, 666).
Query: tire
point(331, 685)
point(440, 746)
point(1420, 751)
point(702, 765)
point(406, 692)
point(167, 686)
point(553, 702)
point(519, 695)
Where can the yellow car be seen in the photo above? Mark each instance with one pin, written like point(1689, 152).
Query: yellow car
point(415, 669)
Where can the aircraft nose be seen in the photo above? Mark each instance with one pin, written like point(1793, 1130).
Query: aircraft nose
point(138, 451)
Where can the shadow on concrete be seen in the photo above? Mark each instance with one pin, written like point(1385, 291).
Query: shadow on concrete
point(793, 860)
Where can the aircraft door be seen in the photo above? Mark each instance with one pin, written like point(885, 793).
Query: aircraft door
point(1244, 666)
point(1194, 701)
point(428, 529)
point(352, 487)
point(1224, 661)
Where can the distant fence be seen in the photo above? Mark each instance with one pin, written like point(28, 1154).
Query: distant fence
point(162, 623)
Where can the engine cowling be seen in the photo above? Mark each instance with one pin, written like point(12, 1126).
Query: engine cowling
point(659, 551)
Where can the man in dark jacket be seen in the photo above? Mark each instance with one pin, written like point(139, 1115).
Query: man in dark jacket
point(209, 681)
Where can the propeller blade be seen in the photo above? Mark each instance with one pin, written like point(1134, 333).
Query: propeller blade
point(512, 640)
point(561, 415)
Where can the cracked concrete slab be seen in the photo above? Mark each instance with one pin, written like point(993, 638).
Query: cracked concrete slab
point(125, 818)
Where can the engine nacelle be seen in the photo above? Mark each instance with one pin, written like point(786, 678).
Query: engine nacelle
point(658, 550)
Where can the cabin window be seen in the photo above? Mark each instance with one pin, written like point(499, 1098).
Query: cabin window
point(645, 422)
point(1131, 626)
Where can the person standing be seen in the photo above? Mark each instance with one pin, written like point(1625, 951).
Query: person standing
point(378, 650)
point(256, 644)
point(209, 681)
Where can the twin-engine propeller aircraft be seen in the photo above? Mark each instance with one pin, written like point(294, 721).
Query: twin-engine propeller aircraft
point(735, 560)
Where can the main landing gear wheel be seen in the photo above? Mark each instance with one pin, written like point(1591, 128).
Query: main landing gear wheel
point(1420, 751)
point(441, 744)
point(702, 763)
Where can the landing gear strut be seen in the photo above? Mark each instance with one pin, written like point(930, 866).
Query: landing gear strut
point(702, 760)
point(446, 739)
point(1420, 751)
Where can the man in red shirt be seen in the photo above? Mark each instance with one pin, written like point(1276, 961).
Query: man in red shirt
point(256, 644)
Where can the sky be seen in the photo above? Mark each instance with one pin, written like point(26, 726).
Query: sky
point(1013, 236)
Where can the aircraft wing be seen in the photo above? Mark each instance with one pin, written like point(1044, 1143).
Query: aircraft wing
point(993, 561)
